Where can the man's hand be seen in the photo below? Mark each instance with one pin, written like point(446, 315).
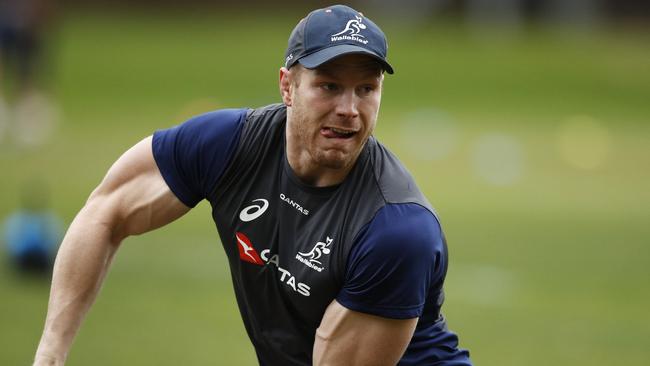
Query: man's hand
point(132, 199)
point(347, 337)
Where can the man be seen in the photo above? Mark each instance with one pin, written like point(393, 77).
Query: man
point(336, 257)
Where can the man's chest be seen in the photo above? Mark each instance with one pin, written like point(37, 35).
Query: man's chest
point(286, 244)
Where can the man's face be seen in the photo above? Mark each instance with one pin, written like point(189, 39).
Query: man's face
point(333, 110)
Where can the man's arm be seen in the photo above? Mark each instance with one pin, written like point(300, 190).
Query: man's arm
point(348, 337)
point(132, 199)
point(395, 268)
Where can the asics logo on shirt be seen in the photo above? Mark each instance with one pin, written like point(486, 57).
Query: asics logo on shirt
point(252, 212)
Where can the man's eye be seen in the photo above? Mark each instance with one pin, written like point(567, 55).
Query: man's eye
point(367, 89)
point(330, 87)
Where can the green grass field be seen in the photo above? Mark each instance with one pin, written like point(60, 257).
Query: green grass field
point(534, 148)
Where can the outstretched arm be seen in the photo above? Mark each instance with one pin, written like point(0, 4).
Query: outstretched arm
point(132, 199)
point(348, 337)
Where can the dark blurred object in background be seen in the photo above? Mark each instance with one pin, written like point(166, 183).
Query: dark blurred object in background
point(568, 12)
point(31, 234)
point(27, 115)
point(615, 10)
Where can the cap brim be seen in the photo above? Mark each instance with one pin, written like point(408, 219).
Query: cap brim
point(320, 57)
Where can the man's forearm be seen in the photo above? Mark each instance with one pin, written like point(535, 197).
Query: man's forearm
point(133, 198)
point(79, 270)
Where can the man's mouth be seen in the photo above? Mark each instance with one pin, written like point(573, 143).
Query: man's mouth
point(332, 132)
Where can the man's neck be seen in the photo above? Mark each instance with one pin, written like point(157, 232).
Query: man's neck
point(303, 167)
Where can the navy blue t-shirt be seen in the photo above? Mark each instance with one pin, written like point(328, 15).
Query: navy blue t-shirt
point(192, 158)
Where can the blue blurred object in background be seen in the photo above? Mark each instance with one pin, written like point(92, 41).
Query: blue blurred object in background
point(32, 239)
point(32, 232)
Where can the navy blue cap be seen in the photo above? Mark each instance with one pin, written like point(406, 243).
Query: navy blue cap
point(332, 32)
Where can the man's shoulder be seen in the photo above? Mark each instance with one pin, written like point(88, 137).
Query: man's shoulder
point(265, 123)
point(217, 119)
point(271, 110)
point(206, 127)
point(394, 223)
point(393, 179)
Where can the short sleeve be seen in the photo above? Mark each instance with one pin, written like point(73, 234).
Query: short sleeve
point(397, 258)
point(193, 155)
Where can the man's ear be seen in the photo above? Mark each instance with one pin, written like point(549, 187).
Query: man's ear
point(285, 86)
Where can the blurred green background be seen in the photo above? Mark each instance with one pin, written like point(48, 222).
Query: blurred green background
point(534, 147)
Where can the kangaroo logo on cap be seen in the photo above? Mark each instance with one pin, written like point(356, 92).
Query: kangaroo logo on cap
point(351, 32)
point(354, 26)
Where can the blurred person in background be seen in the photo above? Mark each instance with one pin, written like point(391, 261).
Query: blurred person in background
point(32, 233)
point(336, 256)
point(26, 113)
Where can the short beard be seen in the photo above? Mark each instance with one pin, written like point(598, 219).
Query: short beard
point(326, 160)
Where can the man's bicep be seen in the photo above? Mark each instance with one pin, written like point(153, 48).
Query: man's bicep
point(133, 197)
point(353, 338)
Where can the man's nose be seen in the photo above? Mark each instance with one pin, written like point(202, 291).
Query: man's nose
point(347, 105)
